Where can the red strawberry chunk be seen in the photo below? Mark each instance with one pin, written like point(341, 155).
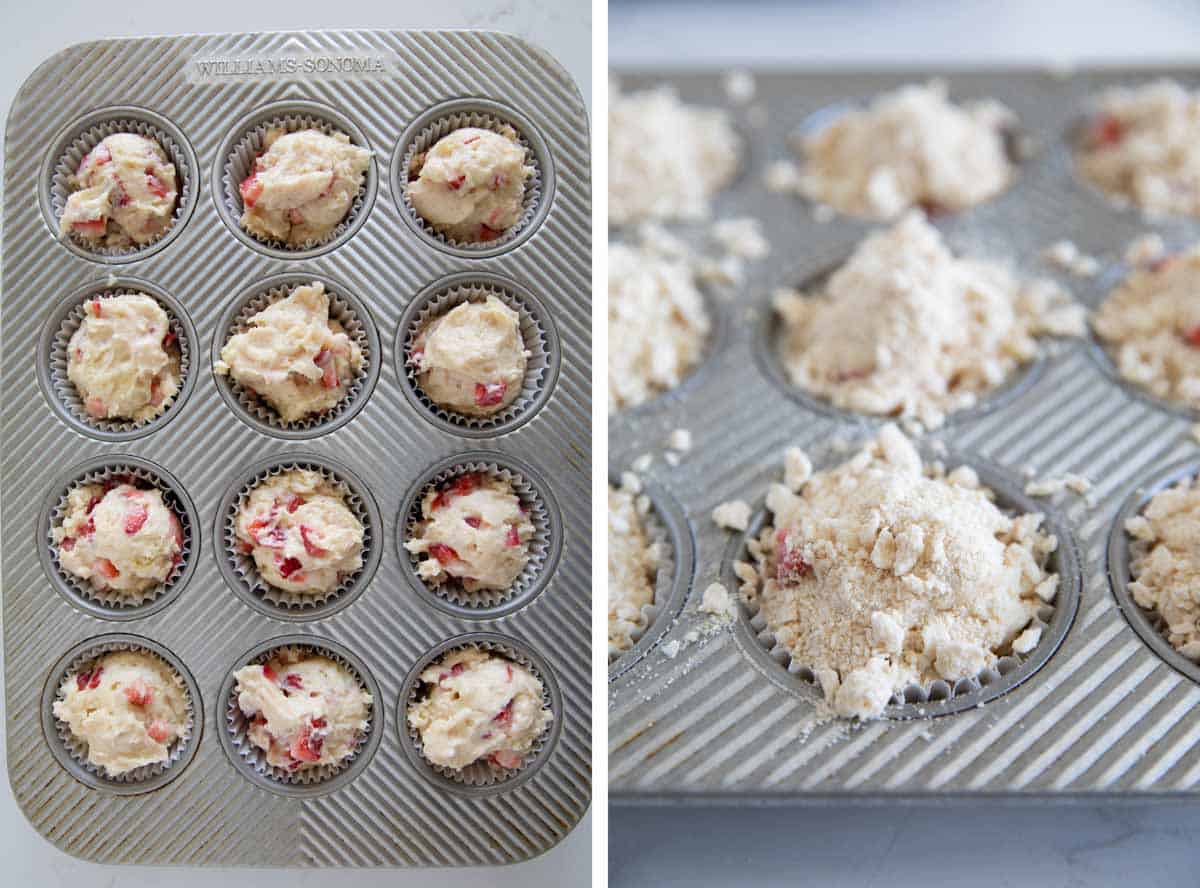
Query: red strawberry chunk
point(488, 234)
point(319, 722)
point(1193, 335)
point(176, 529)
point(93, 502)
point(289, 566)
point(443, 553)
point(95, 308)
point(460, 486)
point(306, 747)
point(67, 544)
point(82, 679)
point(474, 521)
point(508, 668)
point(789, 563)
point(469, 139)
point(270, 674)
point(91, 228)
point(490, 394)
point(506, 758)
point(90, 527)
point(155, 184)
point(295, 217)
point(1106, 131)
point(99, 156)
point(292, 502)
point(157, 395)
point(251, 189)
point(135, 519)
point(107, 568)
point(513, 536)
point(456, 183)
point(504, 716)
point(415, 356)
point(324, 360)
point(139, 693)
point(168, 338)
point(499, 181)
point(95, 408)
point(292, 680)
point(158, 730)
point(122, 197)
point(94, 679)
point(457, 669)
point(309, 546)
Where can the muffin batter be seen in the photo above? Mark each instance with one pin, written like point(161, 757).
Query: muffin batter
point(632, 570)
point(909, 148)
point(881, 573)
point(1142, 145)
point(853, 342)
point(305, 710)
point(125, 193)
point(470, 185)
point(471, 359)
point(478, 706)
point(302, 186)
point(302, 536)
point(473, 530)
point(293, 355)
point(129, 708)
point(124, 360)
point(118, 537)
point(1150, 325)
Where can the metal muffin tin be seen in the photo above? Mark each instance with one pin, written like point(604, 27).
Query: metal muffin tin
point(383, 810)
point(1107, 714)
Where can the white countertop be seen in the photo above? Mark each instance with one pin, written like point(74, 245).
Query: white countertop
point(33, 33)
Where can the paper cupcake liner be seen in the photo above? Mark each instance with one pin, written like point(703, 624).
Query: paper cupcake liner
point(657, 534)
point(445, 124)
point(238, 161)
point(134, 603)
point(533, 333)
point(65, 390)
point(143, 124)
point(539, 545)
point(255, 758)
point(77, 748)
point(357, 325)
point(241, 568)
point(482, 773)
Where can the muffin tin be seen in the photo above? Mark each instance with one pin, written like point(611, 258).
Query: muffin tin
point(1107, 713)
point(210, 806)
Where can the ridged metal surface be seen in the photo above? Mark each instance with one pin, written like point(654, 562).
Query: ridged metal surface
point(1105, 715)
point(389, 815)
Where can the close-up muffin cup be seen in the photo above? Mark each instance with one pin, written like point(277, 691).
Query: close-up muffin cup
point(482, 777)
point(71, 751)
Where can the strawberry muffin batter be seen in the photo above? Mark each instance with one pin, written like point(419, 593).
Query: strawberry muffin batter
point(302, 186)
point(302, 536)
point(632, 570)
point(125, 193)
point(474, 530)
point(128, 708)
point(1150, 325)
point(471, 359)
point(470, 185)
point(477, 706)
point(124, 360)
point(304, 710)
point(120, 538)
point(293, 355)
point(1142, 145)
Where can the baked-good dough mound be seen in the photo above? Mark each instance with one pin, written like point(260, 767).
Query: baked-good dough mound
point(658, 324)
point(302, 536)
point(906, 329)
point(1150, 324)
point(478, 706)
point(1142, 145)
point(293, 355)
point(470, 186)
point(473, 530)
point(472, 359)
point(632, 570)
point(129, 708)
point(305, 710)
point(123, 359)
point(125, 193)
point(908, 148)
point(302, 186)
point(882, 573)
point(120, 538)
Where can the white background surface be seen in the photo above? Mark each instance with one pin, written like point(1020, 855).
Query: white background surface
point(981, 845)
point(32, 31)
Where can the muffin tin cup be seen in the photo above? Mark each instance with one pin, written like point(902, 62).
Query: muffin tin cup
point(346, 309)
point(80, 593)
point(939, 697)
point(303, 783)
point(544, 546)
point(71, 752)
point(240, 148)
point(537, 331)
point(482, 778)
point(441, 120)
point(54, 349)
point(80, 137)
point(240, 570)
point(667, 528)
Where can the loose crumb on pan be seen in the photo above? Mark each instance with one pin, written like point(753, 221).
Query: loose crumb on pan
point(739, 86)
point(1054, 486)
point(733, 515)
point(1066, 255)
point(680, 440)
point(718, 603)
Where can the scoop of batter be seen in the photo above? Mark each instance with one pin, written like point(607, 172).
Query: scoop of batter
point(478, 706)
point(125, 193)
point(472, 359)
point(128, 707)
point(118, 537)
point(632, 566)
point(470, 185)
point(305, 710)
point(472, 530)
point(301, 534)
point(293, 355)
point(123, 359)
point(302, 186)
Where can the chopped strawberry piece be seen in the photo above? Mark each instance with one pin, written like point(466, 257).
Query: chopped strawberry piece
point(309, 546)
point(443, 553)
point(295, 217)
point(488, 234)
point(107, 568)
point(324, 360)
point(82, 679)
point(456, 183)
point(139, 693)
point(319, 722)
point(504, 716)
point(91, 228)
point(292, 680)
point(1193, 335)
point(506, 758)
point(508, 668)
point(306, 747)
point(251, 189)
point(94, 308)
point(135, 519)
point(99, 155)
point(490, 394)
point(158, 730)
point(415, 356)
point(460, 486)
point(469, 139)
point(289, 566)
point(95, 408)
point(474, 521)
point(89, 527)
point(67, 544)
point(270, 674)
point(1106, 131)
point(122, 197)
point(155, 184)
point(157, 395)
point(176, 529)
point(94, 679)
point(245, 547)
point(292, 502)
point(499, 181)
point(789, 563)
point(512, 537)
point(457, 669)
point(168, 338)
